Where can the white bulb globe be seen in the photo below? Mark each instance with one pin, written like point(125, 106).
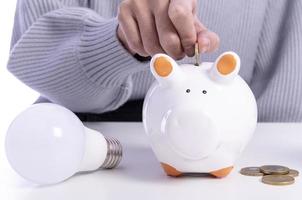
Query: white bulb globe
point(47, 144)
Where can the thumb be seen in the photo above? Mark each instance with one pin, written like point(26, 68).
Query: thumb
point(208, 41)
point(198, 25)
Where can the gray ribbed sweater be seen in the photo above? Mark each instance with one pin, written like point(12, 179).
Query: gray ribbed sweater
point(68, 51)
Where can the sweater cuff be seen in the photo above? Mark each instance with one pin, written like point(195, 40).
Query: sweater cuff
point(102, 56)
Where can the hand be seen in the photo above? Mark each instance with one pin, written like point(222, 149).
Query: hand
point(147, 27)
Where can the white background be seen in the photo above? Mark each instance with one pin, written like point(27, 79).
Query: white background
point(14, 95)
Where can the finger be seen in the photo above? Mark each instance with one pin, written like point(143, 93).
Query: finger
point(130, 30)
point(214, 41)
point(122, 38)
point(208, 41)
point(168, 36)
point(147, 27)
point(198, 25)
point(181, 15)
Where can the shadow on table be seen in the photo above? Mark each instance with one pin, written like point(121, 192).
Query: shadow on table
point(141, 164)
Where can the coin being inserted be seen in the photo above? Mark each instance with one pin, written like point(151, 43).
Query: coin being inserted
point(197, 61)
point(278, 179)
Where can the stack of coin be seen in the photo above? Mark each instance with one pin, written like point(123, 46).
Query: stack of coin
point(272, 174)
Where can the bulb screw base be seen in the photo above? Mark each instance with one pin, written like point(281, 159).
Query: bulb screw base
point(114, 153)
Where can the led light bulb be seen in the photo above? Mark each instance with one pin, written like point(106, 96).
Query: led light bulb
point(47, 144)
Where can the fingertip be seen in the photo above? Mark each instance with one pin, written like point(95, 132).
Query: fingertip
point(178, 57)
point(208, 41)
point(215, 41)
point(190, 51)
point(203, 44)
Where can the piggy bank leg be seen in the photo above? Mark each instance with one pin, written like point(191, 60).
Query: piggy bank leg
point(170, 171)
point(222, 172)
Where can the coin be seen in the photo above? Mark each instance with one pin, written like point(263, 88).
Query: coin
point(274, 169)
point(197, 62)
point(278, 180)
point(251, 171)
point(293, 173)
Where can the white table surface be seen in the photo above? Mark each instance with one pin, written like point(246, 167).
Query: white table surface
point(141, 177)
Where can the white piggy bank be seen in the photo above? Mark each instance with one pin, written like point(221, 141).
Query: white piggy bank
point(198, 118)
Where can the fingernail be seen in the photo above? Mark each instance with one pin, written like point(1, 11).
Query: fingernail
point(204, 49)
point(190, 52)
point(205, 44)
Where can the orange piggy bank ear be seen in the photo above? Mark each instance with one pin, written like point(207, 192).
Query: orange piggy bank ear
point(163, 68)
point(226, 67)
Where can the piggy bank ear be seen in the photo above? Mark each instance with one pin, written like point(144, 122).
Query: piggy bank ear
point(226, 67)
point(164, 68)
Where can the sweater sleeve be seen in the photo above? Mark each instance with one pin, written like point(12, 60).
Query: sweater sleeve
point(71, 56)
point(277, 80)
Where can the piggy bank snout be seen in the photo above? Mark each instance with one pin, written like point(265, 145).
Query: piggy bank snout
point(192, 133)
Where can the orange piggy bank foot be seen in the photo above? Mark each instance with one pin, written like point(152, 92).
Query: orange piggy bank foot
point(222, 172)
point(170, 171)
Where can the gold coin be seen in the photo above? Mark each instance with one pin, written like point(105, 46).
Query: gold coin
point(196, 55)
point(278, 180)
point(274, 169)
point(293, 173)
point(251, 171)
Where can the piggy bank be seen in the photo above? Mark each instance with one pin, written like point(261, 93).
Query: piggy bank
point(198, 118)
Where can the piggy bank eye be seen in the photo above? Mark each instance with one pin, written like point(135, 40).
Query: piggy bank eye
point(188, 91)
point(204, 91)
